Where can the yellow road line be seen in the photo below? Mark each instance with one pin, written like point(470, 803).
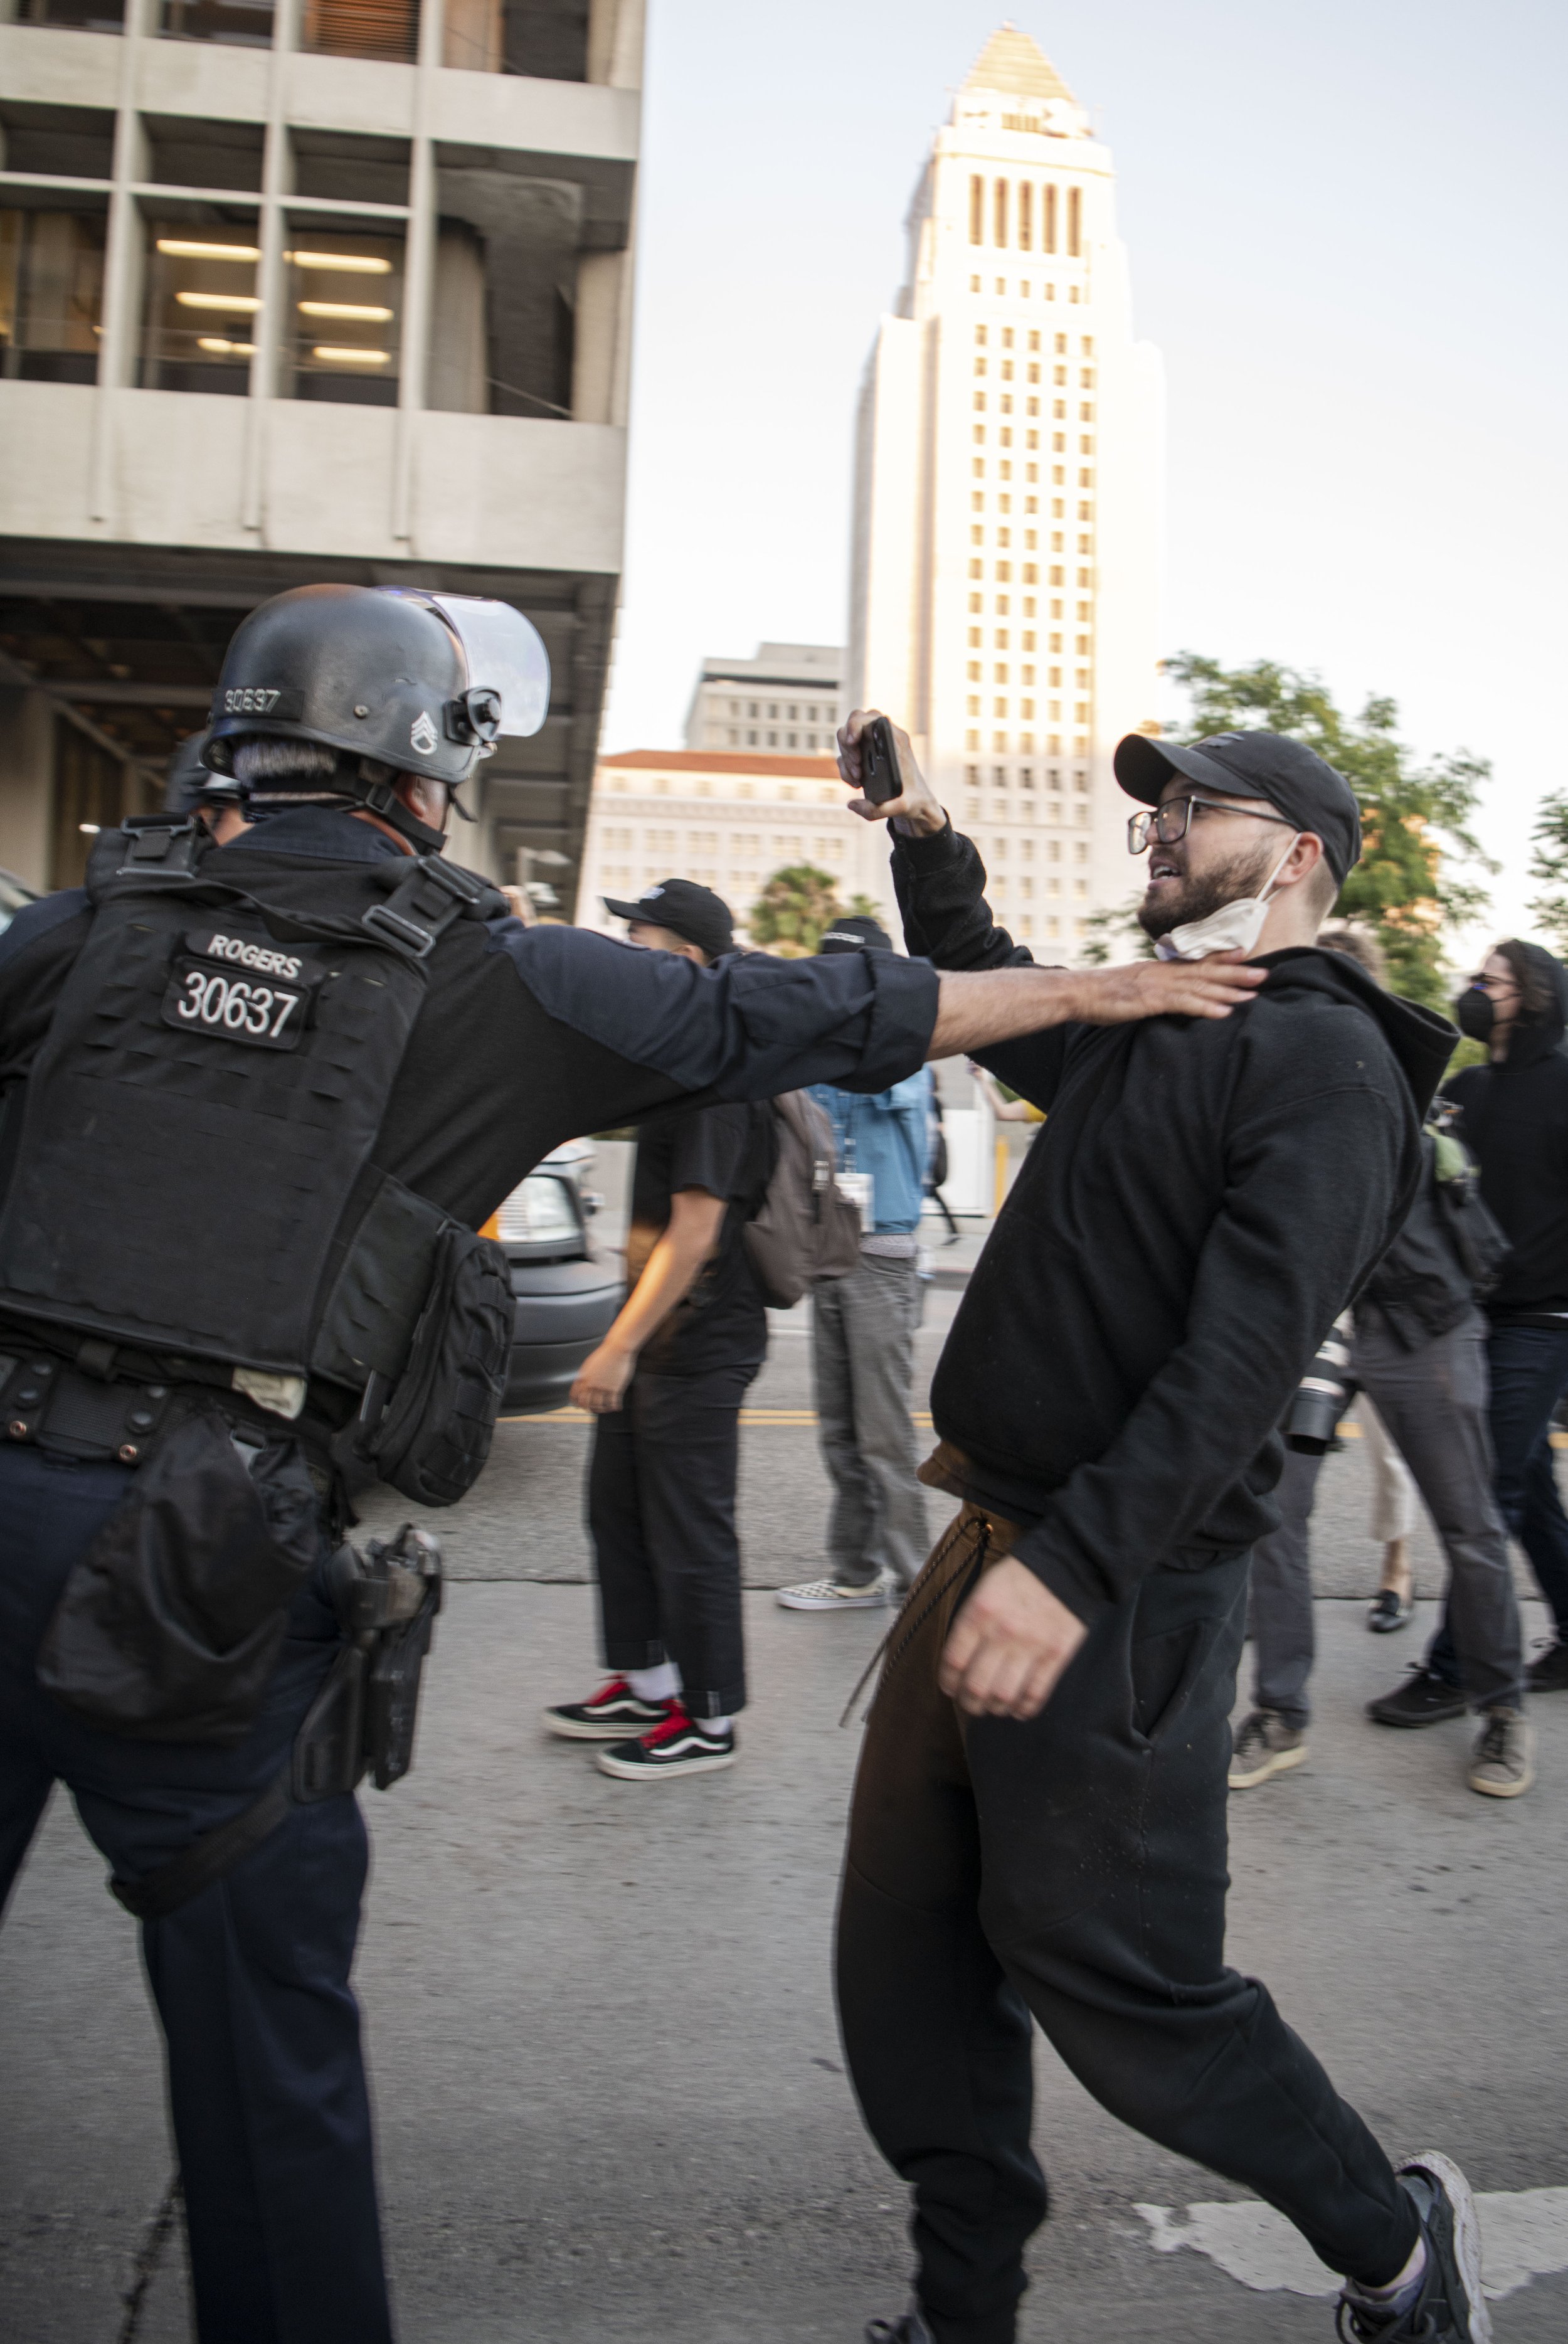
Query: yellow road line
point(748, 1415)
point(1351, 1432)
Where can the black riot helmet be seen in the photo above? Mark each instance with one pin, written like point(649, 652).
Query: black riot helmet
point(188, 784)
point(421, 683)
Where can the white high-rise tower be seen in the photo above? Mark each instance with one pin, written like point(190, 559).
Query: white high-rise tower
point(1006, 567)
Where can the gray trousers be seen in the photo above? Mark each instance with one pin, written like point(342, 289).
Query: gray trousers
point(863, 1363)
point(1434, 1404)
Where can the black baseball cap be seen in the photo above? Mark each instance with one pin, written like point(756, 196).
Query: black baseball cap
point(1253, 764)
point(854, 934)
point(687, 910)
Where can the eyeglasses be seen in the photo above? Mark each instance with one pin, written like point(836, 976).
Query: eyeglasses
point(1169, 821)
point(1494, 983)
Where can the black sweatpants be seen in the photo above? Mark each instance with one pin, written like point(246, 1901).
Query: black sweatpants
point(662, 1511)
point(1073, 1867)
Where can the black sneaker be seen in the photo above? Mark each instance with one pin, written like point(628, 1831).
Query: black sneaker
point(910, 2330)
point(613, 1712)
point(676, 1745)
point(1422, 1699)
point(1550, 1673)
point(1449, 2307)
point(1388, 1611)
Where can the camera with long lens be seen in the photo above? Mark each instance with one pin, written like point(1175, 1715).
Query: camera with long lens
point(1322, 1398)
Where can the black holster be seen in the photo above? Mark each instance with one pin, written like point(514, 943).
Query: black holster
point(362, 1720)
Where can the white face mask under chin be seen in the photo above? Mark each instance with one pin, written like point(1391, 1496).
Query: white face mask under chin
point(1234, 927)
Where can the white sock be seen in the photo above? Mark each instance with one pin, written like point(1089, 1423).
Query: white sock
point(661, 1683)
point(1400, 2293)
point(713, 1725)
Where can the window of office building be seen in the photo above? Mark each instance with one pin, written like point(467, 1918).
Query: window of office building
point(51, 294)
point(77, 15)
point(74, 141)
point(241, 23)
point(343, 294)
point(548, 42)
point(362, 28)
point(202, 304)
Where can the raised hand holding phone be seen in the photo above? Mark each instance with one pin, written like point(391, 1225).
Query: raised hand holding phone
point(874, 757)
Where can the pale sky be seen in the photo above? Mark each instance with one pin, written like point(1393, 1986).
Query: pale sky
point(1345, 225)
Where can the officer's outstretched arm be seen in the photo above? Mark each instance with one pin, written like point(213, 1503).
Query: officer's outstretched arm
point(753, 1027)
point(976, 1008)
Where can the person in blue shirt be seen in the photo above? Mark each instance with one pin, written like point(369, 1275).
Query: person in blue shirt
point(863, 1337)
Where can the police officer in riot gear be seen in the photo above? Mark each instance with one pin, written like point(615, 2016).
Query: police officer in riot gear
point(358, 1045)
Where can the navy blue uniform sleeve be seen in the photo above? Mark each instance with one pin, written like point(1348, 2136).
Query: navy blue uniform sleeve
point(36, 954)
point(747, 1029)
point(941, 887)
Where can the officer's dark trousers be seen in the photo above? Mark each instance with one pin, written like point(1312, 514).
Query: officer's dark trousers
point(662, 1509)
point(251, 1977)
point(1073, 1867)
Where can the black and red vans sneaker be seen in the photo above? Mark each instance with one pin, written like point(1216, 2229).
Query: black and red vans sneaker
point(677, 1745)
point(613, 1712)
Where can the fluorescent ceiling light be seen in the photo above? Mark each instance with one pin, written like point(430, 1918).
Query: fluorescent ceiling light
point(351, 358)
point(224, 350)
point(344, 309)
point(246, 302)
point(356, 263)
point(180, 249)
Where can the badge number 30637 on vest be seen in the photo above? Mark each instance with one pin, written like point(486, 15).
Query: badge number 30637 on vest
point(242, 989)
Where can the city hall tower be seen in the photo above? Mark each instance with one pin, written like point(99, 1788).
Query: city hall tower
point(1005, 589)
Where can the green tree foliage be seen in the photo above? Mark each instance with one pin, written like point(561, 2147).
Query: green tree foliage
point(1415, 818)
point(795, 907)
point(1549, 865)
point(863, 907)
point(1115, 936)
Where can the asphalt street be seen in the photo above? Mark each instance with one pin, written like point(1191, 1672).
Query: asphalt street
point(609, 2085)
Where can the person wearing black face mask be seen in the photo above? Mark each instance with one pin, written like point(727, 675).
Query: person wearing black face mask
point(1515, 1121)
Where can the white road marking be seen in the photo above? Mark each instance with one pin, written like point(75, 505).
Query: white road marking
point(1524, 2236)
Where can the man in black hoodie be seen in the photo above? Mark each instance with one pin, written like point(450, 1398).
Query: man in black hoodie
point(1039, 1818)
point(1513, 1115)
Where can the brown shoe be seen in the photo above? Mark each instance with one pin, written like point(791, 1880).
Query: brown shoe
point(1265, 1745)
point(1503, 1764)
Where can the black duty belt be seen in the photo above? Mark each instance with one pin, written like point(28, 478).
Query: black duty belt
point(77, 1413)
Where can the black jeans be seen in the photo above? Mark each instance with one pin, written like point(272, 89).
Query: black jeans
point(266, 2085)
point(1529, 1368)
point(1073, 1867)
point(662, 1511)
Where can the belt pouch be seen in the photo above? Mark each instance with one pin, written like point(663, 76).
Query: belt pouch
point(171, 1623)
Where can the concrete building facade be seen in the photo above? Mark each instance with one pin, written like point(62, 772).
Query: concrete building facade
point(1005, 590)
point(728, 819)
point(786, 698)
point(296, 291)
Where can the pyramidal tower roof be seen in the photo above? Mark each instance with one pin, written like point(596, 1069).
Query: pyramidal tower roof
point(1012, 63)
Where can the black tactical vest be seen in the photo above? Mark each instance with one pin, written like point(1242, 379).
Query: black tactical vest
point(194, 1176)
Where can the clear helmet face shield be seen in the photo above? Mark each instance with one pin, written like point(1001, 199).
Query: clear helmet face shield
point(505, 655)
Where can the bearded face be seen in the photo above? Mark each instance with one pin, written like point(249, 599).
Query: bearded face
point(1178, 892)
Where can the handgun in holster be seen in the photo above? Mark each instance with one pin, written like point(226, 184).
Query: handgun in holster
point(362, 1720)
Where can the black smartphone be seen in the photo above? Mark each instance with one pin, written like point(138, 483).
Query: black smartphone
point(880, 778)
